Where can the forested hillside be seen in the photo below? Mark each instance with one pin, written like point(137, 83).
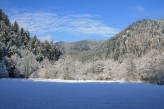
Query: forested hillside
point(135, 54)
point(20, 53)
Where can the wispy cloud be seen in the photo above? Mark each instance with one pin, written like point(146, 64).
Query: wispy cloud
point(140, 9)
point(46, 37)
point(137, 12)
point(45, 23)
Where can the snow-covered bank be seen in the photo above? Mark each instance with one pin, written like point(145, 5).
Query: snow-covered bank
point(78, 81)
point(71, 81)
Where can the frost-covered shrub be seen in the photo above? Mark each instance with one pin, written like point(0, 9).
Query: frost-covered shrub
point(27, 64)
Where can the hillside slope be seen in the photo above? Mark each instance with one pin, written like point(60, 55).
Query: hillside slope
point(135, 54)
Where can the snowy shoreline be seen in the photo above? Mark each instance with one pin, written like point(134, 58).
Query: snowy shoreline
point(70, 81)
point(79, 81)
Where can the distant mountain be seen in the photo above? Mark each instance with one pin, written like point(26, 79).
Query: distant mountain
point(135, 54)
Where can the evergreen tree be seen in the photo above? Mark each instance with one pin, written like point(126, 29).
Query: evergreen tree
point(1, 14)
point(16, 27)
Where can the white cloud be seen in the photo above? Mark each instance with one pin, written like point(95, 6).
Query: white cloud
point(138, 12)
point(43, 23)
point(140, 9)
point(45, 37)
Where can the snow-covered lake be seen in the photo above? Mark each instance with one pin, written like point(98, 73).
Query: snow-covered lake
point(27, 94)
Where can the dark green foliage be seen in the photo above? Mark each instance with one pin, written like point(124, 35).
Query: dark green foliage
point(50, 51)
point(16, 27)
point(1, 53)
point(1, 14)
point(10, 66)
point(25, 37)
point(4, 18)
point(44, 50)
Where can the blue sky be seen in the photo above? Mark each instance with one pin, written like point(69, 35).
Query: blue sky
point(74, 20)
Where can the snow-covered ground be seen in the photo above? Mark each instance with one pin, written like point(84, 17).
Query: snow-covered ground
point(71, 81)
point(60, 94)
point(78, 81)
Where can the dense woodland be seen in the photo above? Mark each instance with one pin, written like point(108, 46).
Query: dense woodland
point(17, 41)
point(135, 54)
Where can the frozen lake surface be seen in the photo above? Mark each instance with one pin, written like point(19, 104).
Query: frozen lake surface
point(27, 94)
